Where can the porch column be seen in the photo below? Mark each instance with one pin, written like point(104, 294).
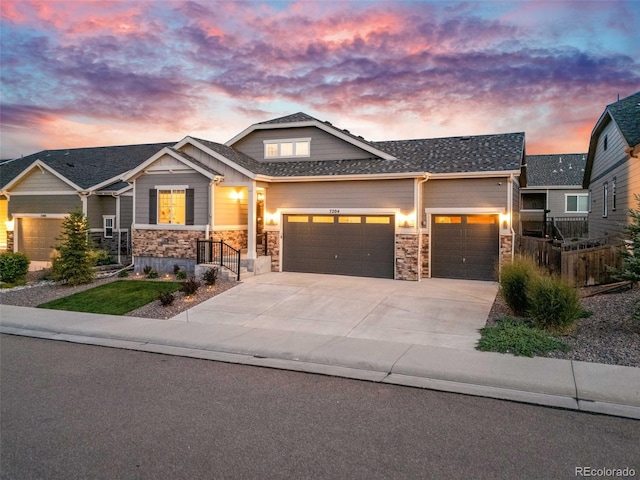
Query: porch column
point(251, 220)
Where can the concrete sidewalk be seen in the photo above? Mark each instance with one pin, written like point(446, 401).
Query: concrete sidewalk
point(608, 389)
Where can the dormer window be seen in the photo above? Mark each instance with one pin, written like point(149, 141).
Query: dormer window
point(289, 148)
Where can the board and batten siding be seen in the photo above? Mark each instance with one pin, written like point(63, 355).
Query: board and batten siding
point(324, 146)
point(41, 181)
point(381, 194)
point(627, 176)
point(44, 204)
point(230, 174)
point(199, 183)
point(227, 210)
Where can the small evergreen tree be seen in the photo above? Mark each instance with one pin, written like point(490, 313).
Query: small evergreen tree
point(631, 254)
point(73, 264)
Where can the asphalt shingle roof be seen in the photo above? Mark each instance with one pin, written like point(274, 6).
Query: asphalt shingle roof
point(481, 153)
point(556, 170)
point(626, 114)
point(85, 167)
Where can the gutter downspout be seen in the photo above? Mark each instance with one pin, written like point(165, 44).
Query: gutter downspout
point(419, 213)
point(510, 207)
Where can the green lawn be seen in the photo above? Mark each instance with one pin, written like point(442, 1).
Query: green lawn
point(115, 298)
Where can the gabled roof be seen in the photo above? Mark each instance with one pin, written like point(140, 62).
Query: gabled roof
point(179, 155)
point(481, 153)
point(84, 167)
point(301, 119)
point(565, 169)
point(626, 114)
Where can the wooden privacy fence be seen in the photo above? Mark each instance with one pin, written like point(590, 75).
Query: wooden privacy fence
point(581, 264)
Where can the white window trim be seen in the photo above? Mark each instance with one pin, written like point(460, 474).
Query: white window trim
point(104, 225)
point(172, 188)
point(566, 198)
point(287, 140)
point(605, 195)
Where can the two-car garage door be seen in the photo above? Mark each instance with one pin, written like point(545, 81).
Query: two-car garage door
point(359, 245)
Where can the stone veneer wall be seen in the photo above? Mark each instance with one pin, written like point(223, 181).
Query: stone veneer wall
point(424, 256)
point(111, 244)
point(9, 241)
point(273, 249)
point(506, 243)
point(236, 238)
point(407, 257)
point(166, 243)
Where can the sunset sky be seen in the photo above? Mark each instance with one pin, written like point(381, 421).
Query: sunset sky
point(92, 73)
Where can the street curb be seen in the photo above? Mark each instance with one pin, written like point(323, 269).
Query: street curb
point(487, 391)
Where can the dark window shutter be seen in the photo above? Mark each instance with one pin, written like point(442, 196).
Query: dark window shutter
point(153, 206)
point(190, 206)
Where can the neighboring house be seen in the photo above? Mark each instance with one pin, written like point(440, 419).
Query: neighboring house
point(553, 192)
point(39, 190)
point(328, 201)
point(612, 173)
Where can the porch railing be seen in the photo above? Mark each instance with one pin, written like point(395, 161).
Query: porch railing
point(216, 252)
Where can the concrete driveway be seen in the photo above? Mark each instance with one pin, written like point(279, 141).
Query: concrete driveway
point(437, 312)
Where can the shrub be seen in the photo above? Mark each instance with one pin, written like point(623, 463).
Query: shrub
point(518, 338)
point(210, 276)
point(515, 278)
point(553, 304)
point(166, 298)
point(101, 257)
point(73, 263)
point(190, 286)
point(152, 273)
point(123, 274)
point(176, 269)
point(13, 266)
point(147, 269)
point(181, 275)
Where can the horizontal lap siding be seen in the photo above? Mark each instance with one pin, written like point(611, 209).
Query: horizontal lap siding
point(389, 194)
point(627, 183)
point(97, 206)
point(41, 181)
point(229, 211)
point(126, 211)
point(557, 203)
point(199, 183)
point(43, 204)
point(324, 146)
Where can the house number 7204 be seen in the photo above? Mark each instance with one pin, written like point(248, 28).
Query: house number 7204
point(334, 210)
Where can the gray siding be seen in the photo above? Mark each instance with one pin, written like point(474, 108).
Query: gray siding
point(41, 181)
point(199, 183)
point(41, 204)
point(350, 194)
point(557, 203)
point(230, 175)
point(97, 206)
point(126, 212)
point(627, 177)
point(324, 146)
point(229, 211)
point(515, 217)
point(465, 193)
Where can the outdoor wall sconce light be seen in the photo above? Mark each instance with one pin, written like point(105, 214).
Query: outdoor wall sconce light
point(10, 225)
point(504, 220)
point(236, 195)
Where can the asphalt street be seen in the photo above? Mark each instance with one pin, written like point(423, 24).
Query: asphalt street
point(76, 411)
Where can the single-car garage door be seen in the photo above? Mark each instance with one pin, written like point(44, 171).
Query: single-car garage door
point(359, 245)
point(465, 246)
point(37, 237)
